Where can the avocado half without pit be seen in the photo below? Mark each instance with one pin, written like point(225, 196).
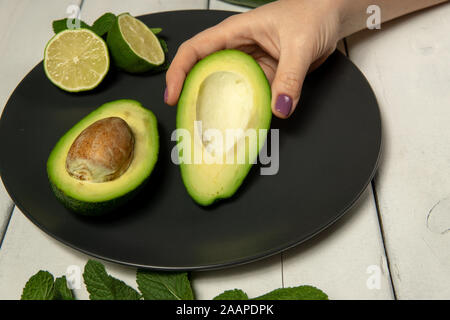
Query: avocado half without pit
point(224, 93)
point(102, 161)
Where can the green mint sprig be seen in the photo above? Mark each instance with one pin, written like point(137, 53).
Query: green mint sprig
point(164, 285)
point(103, 24)
point(152, 286)
point(295, 293)
point(41, 286)
point(61, 25)
point(102, 286)
point(62, 291)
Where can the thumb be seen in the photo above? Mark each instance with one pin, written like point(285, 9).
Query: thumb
point(292, 68)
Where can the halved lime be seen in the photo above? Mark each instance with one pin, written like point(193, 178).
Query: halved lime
point(76, 60)
point(133, 46)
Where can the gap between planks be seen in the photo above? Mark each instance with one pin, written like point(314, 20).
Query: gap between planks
point(383, 238)
point(377, 208)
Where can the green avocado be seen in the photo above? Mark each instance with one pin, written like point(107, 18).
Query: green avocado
point(101, 162)
point(223, 116)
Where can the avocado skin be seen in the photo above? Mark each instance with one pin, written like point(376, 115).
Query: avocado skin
point(93, 208)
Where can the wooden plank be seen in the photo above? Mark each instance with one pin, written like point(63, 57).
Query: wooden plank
point(26, 250)
point(339, 259)
point(6, 207)
point(407, 63)
point(26, 28)
point(255, 279)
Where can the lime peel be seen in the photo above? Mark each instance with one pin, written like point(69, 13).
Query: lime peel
point(133, 46)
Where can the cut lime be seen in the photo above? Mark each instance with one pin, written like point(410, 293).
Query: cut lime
point(76, 60)
point(133, 46)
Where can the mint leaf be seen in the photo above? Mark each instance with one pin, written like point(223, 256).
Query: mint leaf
point(236, 294)
point(102, 286)
point(39, 287)
point(122, 291)
point(163, 45)
point(103, 24)
point(61, 25)
point(97, 281)
point(156, 30)
point(295, 293)
point(62, 292)
point(164, 285)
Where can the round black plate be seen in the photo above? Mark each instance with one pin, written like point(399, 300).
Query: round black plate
point(329, 151)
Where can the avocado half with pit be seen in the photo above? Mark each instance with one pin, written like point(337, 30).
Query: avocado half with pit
point(223, 116)
point(102, 161)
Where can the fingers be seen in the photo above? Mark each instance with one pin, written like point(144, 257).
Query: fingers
point(286, 87)
point(191, 51)
point(268, 65)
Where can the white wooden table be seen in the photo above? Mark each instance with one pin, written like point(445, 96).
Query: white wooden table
point(400, 226)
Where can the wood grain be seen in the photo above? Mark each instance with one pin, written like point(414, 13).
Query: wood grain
point(407, 63)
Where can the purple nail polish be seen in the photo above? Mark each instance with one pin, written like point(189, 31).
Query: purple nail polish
point(166, 95)
point(283, 104)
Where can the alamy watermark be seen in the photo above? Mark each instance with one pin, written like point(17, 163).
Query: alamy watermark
point(73, 277)
point(374, 280)
point(374, 20)
point(73, 12)
point(229, 146)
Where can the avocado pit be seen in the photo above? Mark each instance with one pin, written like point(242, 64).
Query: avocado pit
point(102, 152)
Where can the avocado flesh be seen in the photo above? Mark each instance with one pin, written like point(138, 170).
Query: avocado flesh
point(93, 198)
point(226, 90)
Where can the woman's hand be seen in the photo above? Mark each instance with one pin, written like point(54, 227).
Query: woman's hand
point(286, 38)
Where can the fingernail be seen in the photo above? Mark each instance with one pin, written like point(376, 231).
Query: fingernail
point(166, 95)
point(283, 104)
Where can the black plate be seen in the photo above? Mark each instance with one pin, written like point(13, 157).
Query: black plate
point(329, 152)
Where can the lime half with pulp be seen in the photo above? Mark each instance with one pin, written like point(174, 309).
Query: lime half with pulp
point(133, 46)
point(76, 60)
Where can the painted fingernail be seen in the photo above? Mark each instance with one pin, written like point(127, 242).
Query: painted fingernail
point(166, 95)
point(283, 104)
